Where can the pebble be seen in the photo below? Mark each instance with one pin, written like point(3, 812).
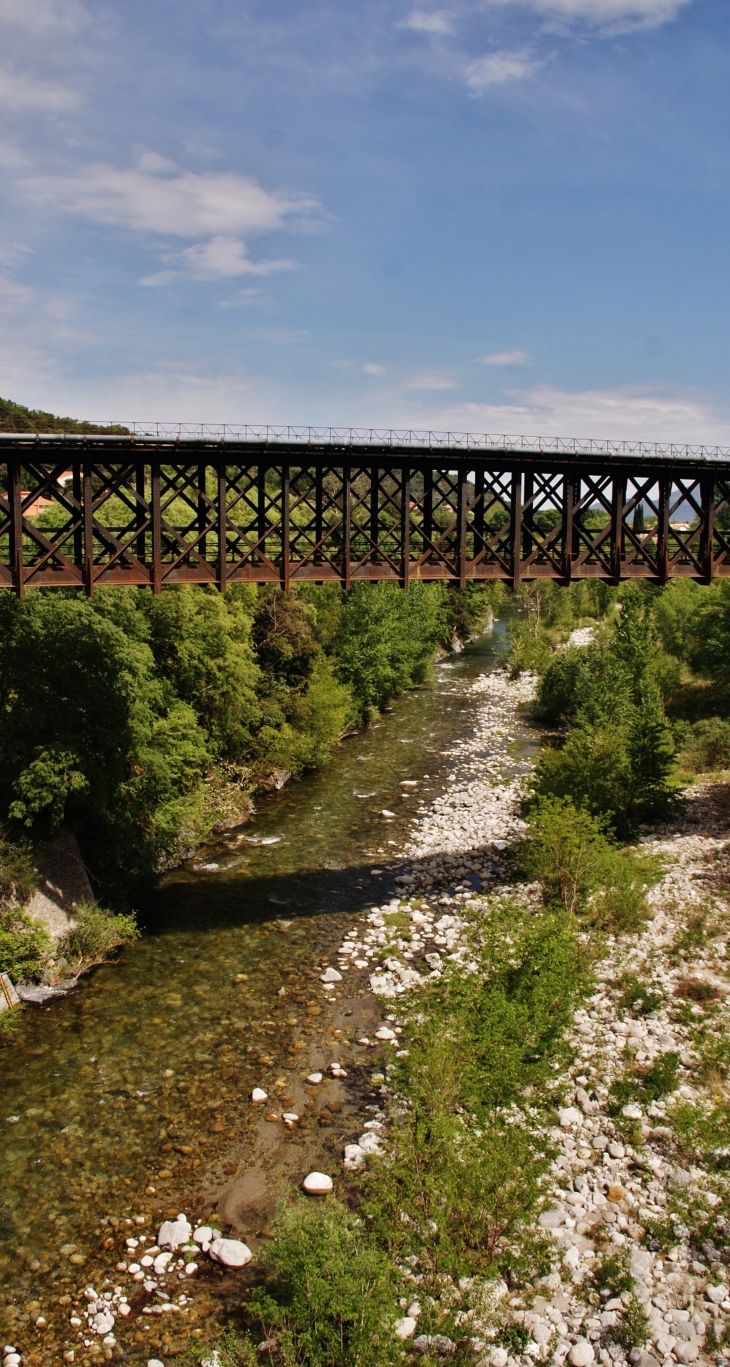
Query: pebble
point(258, 1094)
point(315, 1078)
point(331, 975)
point(317, 1184)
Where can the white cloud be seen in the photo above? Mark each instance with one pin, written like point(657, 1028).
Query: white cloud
point(40, 16)
point(22, 93)
point(630, 413)
point(158, 197)
point(431, 382)
point(503, 358)
point(616, 15)
point(373, 368)
point(498, 68)
point(218, 259)
point(433, 21)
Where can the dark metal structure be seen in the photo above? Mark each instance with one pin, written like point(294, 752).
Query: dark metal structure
point(290, 506)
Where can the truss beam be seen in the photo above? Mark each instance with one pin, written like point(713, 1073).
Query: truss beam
point(82, 512)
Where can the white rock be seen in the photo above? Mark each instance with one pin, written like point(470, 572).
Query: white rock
point(154, 1362)
point(498, 1357)
point(569, 1116)
point(551, 1219)
point(203, 1234)
point(160, 1263)
point(354, 1156)
point(716, 1294)
point(633, 1111)
point(191, 1269)
point(541, 1333)
point(582, 1353)
point(317, 1184)
point(174, 1233)
point(258, 1094)
point(230, 1252)
point(369, 1143)
point(330, 975)
point(315, 1078)
point(385, 812)
point(385, 1032)
point(406, 1327)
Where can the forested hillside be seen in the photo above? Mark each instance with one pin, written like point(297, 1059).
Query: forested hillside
point(143, 722)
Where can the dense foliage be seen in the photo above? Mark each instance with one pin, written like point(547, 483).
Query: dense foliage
point(142, 721)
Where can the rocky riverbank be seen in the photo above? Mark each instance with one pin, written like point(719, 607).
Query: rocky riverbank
point(637, 1214)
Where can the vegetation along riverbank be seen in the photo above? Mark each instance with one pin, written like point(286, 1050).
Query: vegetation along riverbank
point(532, 1162)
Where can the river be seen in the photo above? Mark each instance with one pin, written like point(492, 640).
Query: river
point(132, 1093)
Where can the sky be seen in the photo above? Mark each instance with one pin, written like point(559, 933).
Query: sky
point(502, 216)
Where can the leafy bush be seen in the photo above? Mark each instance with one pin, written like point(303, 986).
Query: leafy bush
point(335, 1298)
point(24, 944)
point(640, 998)
point(645, 1084)
point(705, 745)
point(17, 874)
point(95, 934)
point(566, 848)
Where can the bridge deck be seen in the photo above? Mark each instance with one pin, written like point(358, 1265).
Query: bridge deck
point(88, 510)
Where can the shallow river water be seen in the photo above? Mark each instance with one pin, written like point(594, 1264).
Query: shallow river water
point(141, 1077)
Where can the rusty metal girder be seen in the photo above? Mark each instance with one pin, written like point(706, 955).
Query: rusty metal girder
point(85, 511)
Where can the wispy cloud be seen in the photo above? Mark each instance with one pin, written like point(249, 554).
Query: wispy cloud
point(21, 93)
point(632, 413)
point(429, 21)
point(43, 16)
point(499, 68)
point(610, 15)
point(375, 369)
point(156, 196)
point(504, 358)
point(219, 258)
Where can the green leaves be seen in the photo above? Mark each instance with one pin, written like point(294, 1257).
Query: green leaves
point(45, 786)
point(580, 868)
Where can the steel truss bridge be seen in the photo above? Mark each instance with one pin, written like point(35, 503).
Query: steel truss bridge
point(157, 505)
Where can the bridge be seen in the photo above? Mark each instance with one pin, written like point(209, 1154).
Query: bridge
point(156, 505)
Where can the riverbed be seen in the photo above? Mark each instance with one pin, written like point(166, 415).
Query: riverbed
point(130, 1098)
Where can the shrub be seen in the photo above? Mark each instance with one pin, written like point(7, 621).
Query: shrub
point(95, 934)
point(335, 1302)
point(567, 850)
point(640, 998)
point(645, 1084)
point(17, 874)
point(705, 745)
point(24, 944)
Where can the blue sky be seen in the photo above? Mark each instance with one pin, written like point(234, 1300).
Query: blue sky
point(495, 215)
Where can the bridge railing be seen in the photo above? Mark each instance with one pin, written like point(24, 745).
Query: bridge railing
point(415, 438)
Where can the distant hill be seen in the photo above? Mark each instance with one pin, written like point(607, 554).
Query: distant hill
point(15, 417)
